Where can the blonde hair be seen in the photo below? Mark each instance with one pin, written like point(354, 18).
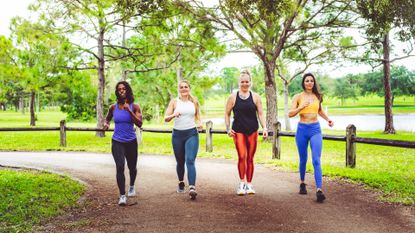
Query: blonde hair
point(246, 72)
point(192, 99)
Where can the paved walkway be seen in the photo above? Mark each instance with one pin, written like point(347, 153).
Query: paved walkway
point(158, 208)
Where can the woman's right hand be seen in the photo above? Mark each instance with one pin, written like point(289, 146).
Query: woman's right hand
point(176, 114)
point(231, 133)
point(304, 105)
point(106, 126)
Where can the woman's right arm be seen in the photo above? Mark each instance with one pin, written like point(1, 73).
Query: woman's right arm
point(109, 117)
point(295, 109)
point(170, 114)
point(228, 109)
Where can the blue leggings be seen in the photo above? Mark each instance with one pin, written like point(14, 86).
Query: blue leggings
point(185, 146)
point(310, 133)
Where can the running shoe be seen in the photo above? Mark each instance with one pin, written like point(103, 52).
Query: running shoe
point(320, 196)
point(131, 191)
point(249, 189)
point(123, 200)
point(181, 189)
point(241, 190)
point(303, 189)
point(192, 192)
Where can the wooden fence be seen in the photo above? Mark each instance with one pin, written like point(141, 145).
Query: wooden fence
point(350, 138)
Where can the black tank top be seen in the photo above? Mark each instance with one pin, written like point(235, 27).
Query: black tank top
point(245, 115)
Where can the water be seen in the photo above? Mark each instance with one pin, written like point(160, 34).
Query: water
point(402, 122)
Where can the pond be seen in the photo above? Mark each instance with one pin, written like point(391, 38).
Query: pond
point(402, 122)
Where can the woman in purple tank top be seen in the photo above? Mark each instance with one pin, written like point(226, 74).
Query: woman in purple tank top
point(126, 114)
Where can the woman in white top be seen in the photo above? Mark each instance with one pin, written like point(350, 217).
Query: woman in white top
point(185, 137)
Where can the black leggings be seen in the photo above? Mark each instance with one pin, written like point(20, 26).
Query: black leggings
point(122, 151)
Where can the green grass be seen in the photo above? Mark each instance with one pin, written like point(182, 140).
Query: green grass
point(29, 198)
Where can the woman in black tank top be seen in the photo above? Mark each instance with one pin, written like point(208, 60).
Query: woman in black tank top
point(247, 110)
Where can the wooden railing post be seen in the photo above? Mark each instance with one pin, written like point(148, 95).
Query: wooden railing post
point(63, 133)
point(350, 146)
point(209, 146)
point(276, 142)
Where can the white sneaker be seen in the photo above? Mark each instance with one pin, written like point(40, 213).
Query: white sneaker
point(249, 189)
point(241, 190)
point(131, 191)
point(123, 200)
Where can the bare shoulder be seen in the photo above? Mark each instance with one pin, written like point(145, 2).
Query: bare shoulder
point(256, 96)
point(297, 96)
point(136, 106)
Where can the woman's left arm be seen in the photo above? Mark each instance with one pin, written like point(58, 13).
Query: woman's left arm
point(323, 114)
point(198, 117)
point(136, 115)
point(261, 117)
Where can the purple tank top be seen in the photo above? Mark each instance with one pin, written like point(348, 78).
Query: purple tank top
point(124, 126)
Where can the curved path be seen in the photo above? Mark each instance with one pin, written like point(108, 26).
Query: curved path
point(158, 208)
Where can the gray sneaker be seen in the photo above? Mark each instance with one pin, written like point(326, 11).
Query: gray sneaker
point(122, 201)
point(181, 189)
point(131, 191)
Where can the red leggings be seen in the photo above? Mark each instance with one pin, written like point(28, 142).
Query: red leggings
point(246, 147)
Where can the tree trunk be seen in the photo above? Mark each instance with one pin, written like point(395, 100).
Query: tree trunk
point(286, 118)
point(32, 108)
point(101, 84)
point(21, 104)
point(389, 129)
point(124, 44)
point(270, 94)
point(179, 71)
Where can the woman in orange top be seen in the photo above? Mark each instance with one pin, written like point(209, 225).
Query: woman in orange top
point(308, 105)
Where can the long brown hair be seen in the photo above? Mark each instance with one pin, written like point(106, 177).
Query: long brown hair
point(316, 88)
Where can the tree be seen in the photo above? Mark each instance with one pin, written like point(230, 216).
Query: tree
point(346, 88)
point(268, 27)
point(97, 21)
point(9, 87)
point(229, 79)
point(190, 41)
point(382, 16)
point(402, 82)
point(39, 54)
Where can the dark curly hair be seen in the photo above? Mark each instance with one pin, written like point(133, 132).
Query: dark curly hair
point(129, 93)
point(316, 89)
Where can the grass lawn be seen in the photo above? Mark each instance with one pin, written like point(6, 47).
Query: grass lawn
point(31, 197)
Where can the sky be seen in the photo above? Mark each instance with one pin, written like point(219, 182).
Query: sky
point(239, 60)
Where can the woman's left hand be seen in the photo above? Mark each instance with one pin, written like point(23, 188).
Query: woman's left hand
point(126, 106)
point(199, 126)
point(331, 123)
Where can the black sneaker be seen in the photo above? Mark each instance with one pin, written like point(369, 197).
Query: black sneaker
point(303, 190)
point(320, 196)
point(192, 192)
point(180, 189)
